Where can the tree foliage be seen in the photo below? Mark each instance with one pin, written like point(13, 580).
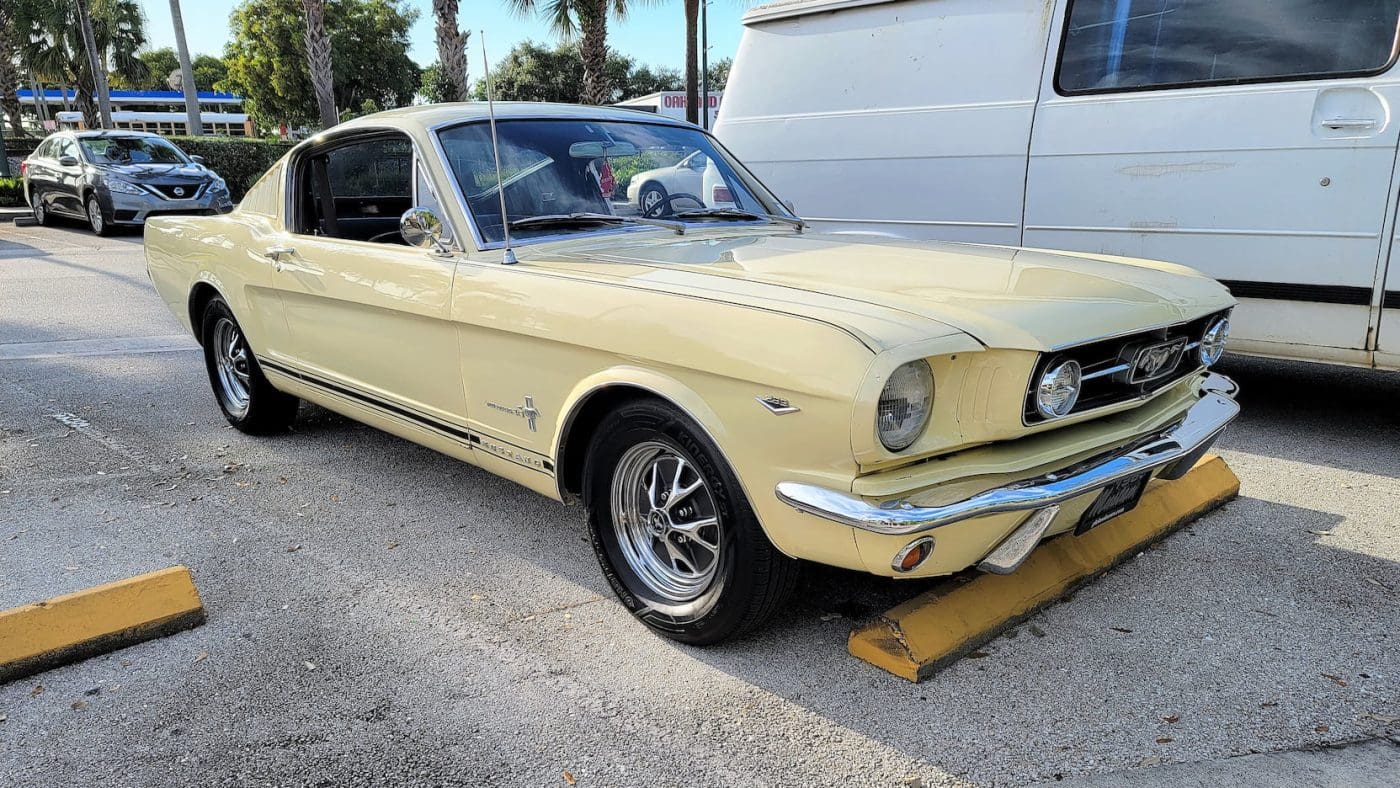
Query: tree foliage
point(51, 43)
point(266, 57)
point(535, 72)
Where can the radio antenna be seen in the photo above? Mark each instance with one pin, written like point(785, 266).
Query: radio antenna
point(509, 258)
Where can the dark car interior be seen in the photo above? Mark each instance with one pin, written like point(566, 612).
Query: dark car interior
point(356, 190)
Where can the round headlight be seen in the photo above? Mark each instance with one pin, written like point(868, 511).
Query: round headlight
point(1214, 340)
point(904, 406)
point(1058, 389)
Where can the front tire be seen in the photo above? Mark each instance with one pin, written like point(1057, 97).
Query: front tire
point(673, 532)
point(97, 218)
point(248, 400)
point(651, 194)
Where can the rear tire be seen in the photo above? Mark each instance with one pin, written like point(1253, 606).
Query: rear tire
point(673, 532)
point(40, 211)
point(248, 400)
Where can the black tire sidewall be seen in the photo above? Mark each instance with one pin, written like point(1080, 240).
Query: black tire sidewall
point(87, 211)
point(269, 410)
point(723, 608)
point(651, 186)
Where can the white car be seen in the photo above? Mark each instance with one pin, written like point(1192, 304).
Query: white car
point(684, 179)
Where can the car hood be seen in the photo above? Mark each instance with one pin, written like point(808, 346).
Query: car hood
point(893, 291)
point(150, 172)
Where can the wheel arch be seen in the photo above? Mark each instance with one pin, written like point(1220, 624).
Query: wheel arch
point(200, 295)
point(599, 395)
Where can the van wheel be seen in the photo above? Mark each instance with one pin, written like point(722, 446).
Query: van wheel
point(97, 219)
point(248, 400)
point(675, 537)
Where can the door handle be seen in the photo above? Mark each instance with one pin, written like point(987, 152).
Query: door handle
point(1337, 124)
point(274, 253)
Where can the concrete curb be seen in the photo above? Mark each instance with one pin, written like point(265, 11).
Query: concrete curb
point(72, 627)
point(918, 638)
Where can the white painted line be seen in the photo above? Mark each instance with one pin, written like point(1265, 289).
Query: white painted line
point(15, 351)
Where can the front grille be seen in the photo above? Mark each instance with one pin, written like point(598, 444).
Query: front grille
point(1111, 372)
point(189, 191)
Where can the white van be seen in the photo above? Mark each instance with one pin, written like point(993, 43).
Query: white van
point(1254, 140)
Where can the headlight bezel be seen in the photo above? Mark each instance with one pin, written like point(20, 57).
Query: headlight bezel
point(1221, 328)
point(123, 187)
point(1051, 380)
point(909, 434)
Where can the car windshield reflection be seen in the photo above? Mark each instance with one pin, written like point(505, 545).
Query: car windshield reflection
point(553, 172)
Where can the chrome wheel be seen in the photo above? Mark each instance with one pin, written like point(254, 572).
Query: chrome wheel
point(232, 363)
point(666, 522)
point(94, 212)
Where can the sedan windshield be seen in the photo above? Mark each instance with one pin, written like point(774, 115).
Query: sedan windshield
point(579, 176)
point(130, 150)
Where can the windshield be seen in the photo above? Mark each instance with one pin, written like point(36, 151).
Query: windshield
point(555, 168)
point(130, 150)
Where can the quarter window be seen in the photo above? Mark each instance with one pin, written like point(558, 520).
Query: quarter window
point(1118, 45)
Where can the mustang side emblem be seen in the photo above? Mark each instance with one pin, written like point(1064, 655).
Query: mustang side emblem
point(527, 411)
point(777, 405)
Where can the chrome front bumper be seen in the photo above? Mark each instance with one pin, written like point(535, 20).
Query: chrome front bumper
point(1178, 446)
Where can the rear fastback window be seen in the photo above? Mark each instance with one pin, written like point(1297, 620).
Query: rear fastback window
point(1118, 45)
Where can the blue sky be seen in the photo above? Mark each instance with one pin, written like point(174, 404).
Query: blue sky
point(654, 34)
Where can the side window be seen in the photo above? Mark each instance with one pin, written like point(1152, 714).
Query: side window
point(67, 147)
point(356, 190)
point(1117, 45)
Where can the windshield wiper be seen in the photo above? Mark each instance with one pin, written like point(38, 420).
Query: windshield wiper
point(582, 219)
point(740, 215)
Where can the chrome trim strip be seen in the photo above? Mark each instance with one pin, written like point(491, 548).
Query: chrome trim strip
point(1103, 373)
point(1202, 424)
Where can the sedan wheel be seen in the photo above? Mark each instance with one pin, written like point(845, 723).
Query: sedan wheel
point(41, 215)
point(673, 532)
point(96, 219)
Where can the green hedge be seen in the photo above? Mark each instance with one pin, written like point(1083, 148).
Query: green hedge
point(11, 192)
point(240, 161)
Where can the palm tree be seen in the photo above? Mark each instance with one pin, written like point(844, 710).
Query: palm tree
point(451, 49)
point(589, 20)
point(318, 61)
point(56, 53)
point(9, 68)
point(194, 122)
point(692, 68)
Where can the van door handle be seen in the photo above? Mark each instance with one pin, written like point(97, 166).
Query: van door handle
point(1337, 124)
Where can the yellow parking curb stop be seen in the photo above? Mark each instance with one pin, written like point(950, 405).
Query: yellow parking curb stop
point(916, 639)
point(68, 628)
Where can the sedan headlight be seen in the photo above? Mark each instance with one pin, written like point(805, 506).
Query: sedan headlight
point(1058, 389)
point(116, 185)
point(218, 185)
point(904, 406)
point(1214, 340)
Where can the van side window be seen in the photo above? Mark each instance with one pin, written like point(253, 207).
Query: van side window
point(1118, 45)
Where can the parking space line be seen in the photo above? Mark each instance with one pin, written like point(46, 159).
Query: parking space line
point(16, 351)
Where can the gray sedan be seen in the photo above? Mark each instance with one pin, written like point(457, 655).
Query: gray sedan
point(110, 178)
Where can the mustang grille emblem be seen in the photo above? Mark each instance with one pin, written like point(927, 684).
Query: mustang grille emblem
point(526, 411)
point(1157, 360)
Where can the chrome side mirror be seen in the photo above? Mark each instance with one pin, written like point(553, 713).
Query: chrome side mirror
point(197, 159)
point(422, 228)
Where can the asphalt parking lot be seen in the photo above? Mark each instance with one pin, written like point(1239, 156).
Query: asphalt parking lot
point(380, 614)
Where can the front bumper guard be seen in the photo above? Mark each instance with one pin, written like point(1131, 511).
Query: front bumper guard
point(1179, 446)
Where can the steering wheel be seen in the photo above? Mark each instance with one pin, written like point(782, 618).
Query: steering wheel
point(656, 210)
point(386, 235)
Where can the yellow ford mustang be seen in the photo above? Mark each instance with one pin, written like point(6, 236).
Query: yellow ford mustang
point(724, 391)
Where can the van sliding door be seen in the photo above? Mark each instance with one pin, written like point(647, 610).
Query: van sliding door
point(1254, 140)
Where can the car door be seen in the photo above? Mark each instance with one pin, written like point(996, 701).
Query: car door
point(1253, 140)
point(1388, 344)
point(65, 188)
point(366, 314)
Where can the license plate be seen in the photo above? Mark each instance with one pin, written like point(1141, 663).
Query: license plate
point(1117, 498)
